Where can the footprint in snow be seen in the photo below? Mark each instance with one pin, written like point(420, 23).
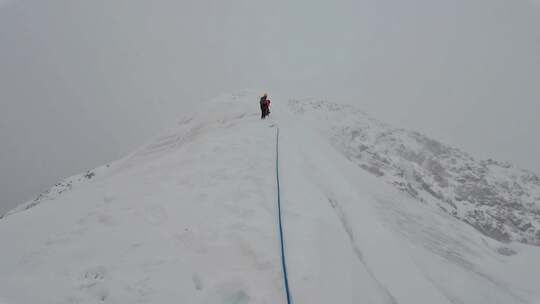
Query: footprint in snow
point(94, 282)
point(197, 282)
point(238, 297)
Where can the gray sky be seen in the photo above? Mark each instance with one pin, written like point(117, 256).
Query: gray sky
point(84, 82)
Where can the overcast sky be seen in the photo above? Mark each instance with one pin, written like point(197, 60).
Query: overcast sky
point(84, 82)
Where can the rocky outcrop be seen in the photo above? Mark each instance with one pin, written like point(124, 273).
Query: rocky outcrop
point(497, 198)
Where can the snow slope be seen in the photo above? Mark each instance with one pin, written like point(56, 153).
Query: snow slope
point(498, 199)
point(191, 218)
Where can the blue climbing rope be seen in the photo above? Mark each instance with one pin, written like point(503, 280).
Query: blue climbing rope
point(283, 263)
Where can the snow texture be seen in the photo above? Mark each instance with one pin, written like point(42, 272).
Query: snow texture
point(371, 214)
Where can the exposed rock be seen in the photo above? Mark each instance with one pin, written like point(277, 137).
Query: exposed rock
point(498, 199)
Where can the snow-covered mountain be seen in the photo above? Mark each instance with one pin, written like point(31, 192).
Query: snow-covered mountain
point(498, 199)
point(371, 214)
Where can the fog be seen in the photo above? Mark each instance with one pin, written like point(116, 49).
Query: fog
point(84, 82)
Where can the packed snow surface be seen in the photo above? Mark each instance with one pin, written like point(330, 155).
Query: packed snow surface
point(192, 218)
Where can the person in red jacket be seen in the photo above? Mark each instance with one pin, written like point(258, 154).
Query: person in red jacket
point(265, 106)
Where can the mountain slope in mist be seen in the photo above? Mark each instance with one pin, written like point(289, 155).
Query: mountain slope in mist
point(371, 214)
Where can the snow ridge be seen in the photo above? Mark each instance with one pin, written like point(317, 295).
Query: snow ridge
point(498, 199)
point(191, 218)
point(60, 188)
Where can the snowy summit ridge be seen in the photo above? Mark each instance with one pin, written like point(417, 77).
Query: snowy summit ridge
point(371, 214)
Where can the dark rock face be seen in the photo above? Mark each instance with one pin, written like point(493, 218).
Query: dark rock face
point(498, 199)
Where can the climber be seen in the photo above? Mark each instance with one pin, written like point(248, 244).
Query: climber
point(265, 106)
